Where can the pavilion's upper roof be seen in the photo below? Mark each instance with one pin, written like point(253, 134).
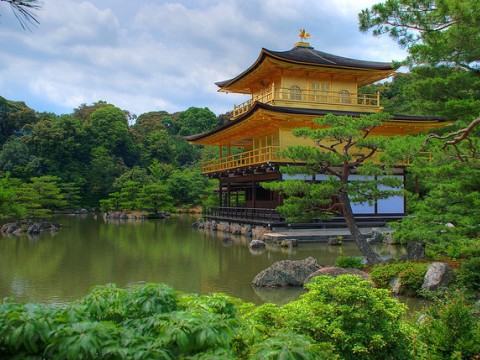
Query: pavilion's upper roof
point(414, 122)
point(304, 54)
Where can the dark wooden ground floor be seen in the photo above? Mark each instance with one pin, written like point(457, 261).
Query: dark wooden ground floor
point(271, 218)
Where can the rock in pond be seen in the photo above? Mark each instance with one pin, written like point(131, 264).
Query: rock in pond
point(286, 273)
point(256, 244)
point(199, 224)
point(289, 243)
point(335, 271)
point(438, 275)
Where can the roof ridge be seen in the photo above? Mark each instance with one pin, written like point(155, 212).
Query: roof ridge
point(315, 53)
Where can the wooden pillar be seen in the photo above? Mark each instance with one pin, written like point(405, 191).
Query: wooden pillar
point(220, 193)
point(228, 195)
point(254, 194)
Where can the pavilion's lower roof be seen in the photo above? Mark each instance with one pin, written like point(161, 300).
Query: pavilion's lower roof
point(307, 112)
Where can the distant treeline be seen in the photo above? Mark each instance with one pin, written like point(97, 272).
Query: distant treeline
point(101, 155)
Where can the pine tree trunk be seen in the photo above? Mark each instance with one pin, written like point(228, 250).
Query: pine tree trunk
point(360, 240)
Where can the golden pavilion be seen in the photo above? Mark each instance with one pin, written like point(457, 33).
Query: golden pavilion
point(286, 90)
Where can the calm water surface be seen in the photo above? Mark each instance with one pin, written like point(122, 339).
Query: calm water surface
point(55, 268)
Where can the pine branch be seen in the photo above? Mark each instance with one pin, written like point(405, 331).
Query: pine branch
point(23, 11)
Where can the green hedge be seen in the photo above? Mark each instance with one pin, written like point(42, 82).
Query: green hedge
point(411, 275)
point(339, 318)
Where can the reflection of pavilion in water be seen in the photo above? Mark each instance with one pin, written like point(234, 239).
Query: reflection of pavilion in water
point(287, 90)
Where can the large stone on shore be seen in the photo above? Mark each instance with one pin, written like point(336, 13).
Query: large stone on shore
point(395, 284)
point(438, 275)
point(286, 273)
point(335, 271)
point(199, 224)
point(9, 228)
point(33, 229)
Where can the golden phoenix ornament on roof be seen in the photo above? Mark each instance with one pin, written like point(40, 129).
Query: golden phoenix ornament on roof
point(304, 35)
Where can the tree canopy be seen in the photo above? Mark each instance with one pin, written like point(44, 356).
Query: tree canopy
point(435, 31)
point(343, 147)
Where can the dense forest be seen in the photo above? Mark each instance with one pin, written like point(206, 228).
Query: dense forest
point(100, 156)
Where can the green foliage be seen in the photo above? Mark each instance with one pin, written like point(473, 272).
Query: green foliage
point(433, 31)
point(14, 115)
point(349, 262)
point(94, 152)
point(411, 275)
point(151, 299)
point(149, 122)
point(195, 121)
point(344, 146)
point(290, 345)
point(353, 147)
point(155, 198)
point(305, 201)
point(16, 158)
point(468, 275)
point(359, 321)
point(160, 145)
point(24, 329)
point(339, 318)
point(450, 329)
point(188, 187)
point(431, 90)
point(9, 205)
point(453, 198)
point(40, 197)
point(86, 340)
point(112, 323)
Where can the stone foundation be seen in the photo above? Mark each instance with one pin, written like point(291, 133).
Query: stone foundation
point(251, 231)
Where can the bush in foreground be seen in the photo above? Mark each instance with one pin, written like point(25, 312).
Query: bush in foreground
point(342, 318)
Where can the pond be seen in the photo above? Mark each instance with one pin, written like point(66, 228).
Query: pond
point(88, 251)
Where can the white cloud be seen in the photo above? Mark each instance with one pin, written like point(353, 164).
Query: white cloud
point(150, 55)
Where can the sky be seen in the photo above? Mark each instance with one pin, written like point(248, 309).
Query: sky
point(152, 55)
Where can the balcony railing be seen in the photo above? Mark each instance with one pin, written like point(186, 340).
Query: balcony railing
point(269, 154)
point(247, 158)
point(245, 214)
point(311, 99)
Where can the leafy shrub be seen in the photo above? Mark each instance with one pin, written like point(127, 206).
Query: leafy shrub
point(24, 329)
point(110, 323)
point(450, 329)
point(86, 340)
point(215, 303)
point(356, 319)
point(151, 299)
point(349, 262)
point(342, 317)
point(469, 274)
point(411, 275)
point(292, 346)
point(456, 247)
point(106, 303)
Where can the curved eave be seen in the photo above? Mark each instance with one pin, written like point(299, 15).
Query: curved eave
point(287, 58)
point(419, 122)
